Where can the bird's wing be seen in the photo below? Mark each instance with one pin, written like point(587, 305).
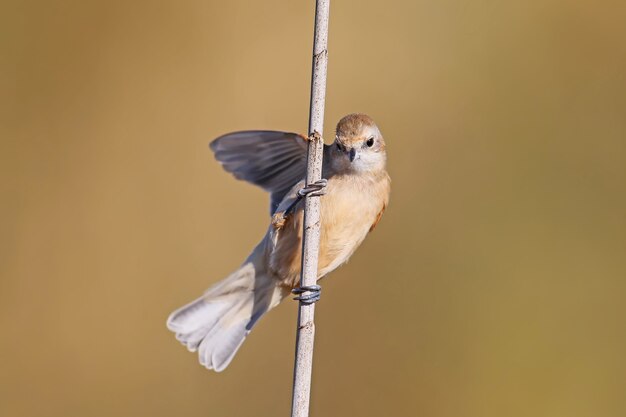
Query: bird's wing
point(274, 161)
point(282, 219)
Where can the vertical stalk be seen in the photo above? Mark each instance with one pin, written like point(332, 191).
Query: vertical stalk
point(310, 246)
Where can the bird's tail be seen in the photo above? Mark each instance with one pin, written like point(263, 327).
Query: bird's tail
point(217, 323)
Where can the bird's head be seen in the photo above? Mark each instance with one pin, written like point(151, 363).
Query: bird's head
point(359, 145)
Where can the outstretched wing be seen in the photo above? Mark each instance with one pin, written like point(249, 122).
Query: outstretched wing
point(274, 161)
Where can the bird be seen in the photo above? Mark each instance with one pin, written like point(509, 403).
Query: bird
point(354, 193)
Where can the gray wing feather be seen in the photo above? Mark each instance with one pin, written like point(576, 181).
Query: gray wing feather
point(274, 161)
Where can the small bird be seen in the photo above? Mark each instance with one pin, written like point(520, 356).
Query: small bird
point(354, 194)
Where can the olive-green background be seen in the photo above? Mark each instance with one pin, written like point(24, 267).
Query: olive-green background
point(493, 286)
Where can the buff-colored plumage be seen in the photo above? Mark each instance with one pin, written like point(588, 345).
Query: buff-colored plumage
point(356, 196)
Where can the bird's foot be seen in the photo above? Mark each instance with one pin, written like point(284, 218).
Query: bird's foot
point(315, 189)
point(313, 294)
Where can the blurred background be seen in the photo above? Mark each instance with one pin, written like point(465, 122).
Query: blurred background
point(494, 285)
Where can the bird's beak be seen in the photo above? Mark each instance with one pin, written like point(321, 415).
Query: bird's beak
point(352, 154)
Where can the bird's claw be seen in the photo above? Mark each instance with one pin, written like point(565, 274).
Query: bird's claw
point(314, 294)
point(315, 189)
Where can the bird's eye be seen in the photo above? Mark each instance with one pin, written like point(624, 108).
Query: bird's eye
point(370, 142)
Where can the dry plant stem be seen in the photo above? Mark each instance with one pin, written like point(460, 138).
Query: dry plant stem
point(310, 247)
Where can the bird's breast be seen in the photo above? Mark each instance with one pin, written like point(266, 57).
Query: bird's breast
point(349, 209)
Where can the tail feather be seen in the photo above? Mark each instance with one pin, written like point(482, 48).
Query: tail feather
point(221, 344)
point(217, 323)
point(192, 322)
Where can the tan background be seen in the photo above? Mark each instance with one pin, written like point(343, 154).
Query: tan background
point(494, 286)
